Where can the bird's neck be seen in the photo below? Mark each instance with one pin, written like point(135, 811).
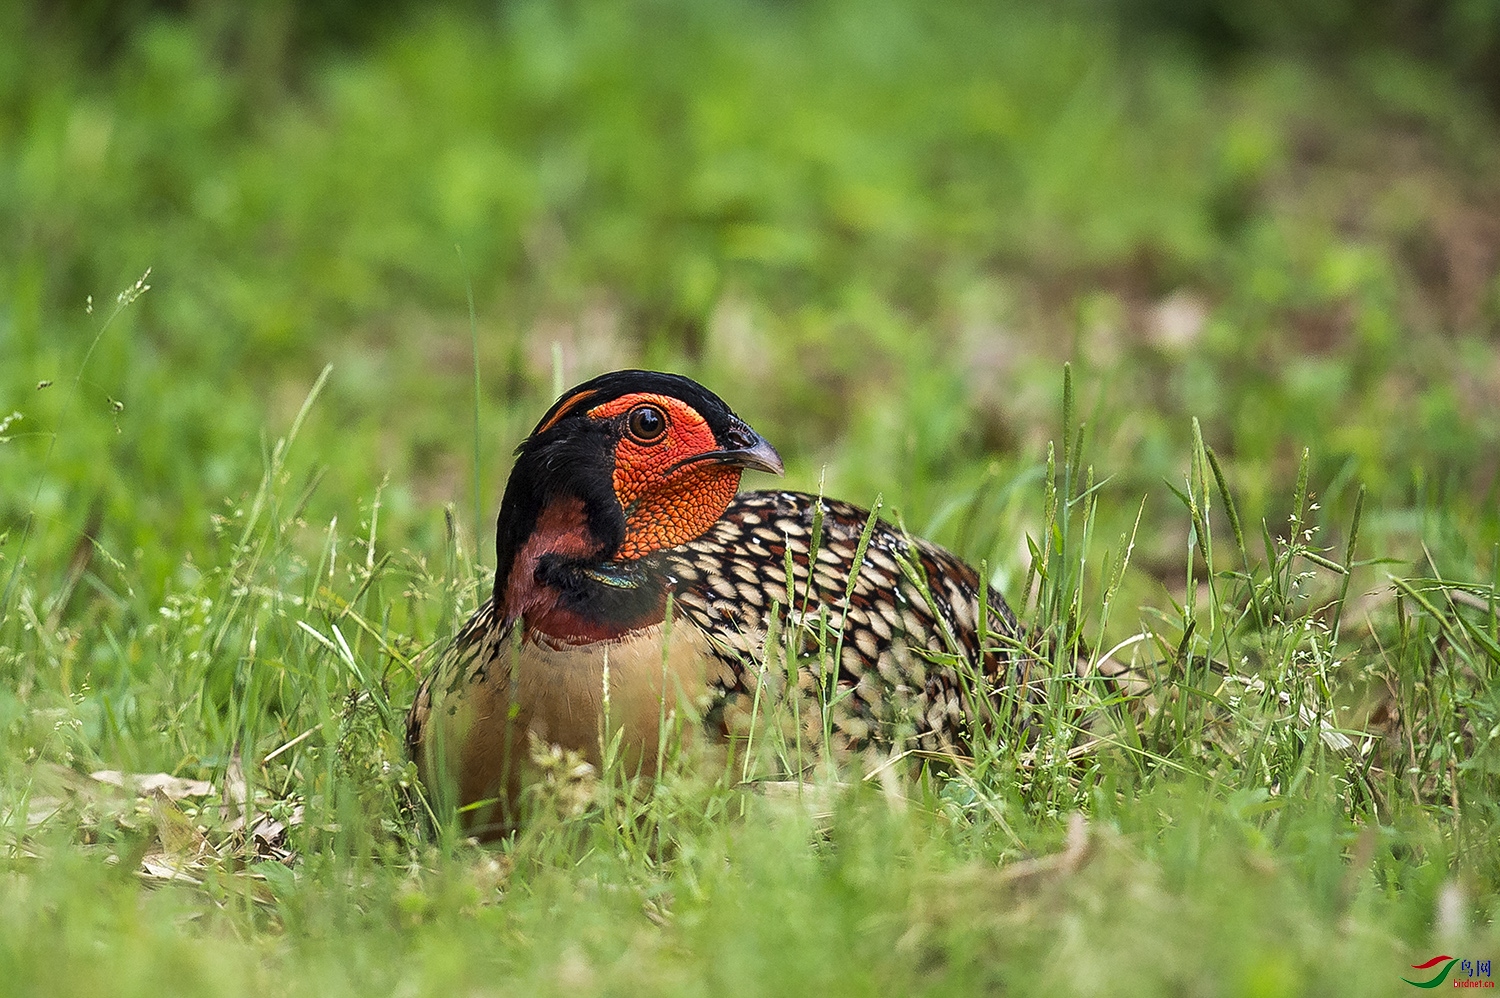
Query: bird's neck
point(560, 583)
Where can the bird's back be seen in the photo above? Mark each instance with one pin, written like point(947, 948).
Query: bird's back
point(885, 627)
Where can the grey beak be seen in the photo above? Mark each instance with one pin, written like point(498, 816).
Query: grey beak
point(756, 455)
point(747, 449)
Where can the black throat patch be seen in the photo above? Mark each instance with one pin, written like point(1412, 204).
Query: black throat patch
point(612, 595)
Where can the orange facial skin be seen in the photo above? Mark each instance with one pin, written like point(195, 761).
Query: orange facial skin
point(666, 502)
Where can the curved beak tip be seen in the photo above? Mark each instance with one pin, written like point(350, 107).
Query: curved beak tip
point(759, 456)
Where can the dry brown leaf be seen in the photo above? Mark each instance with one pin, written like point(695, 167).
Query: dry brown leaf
point(149, 784)
point(179, 836)
point(39, 810)
point(236, 793)
point(159, 866)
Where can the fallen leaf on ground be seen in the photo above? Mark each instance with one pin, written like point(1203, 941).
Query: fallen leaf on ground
point(148, 784)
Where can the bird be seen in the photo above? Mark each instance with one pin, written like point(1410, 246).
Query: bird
point(634, 582)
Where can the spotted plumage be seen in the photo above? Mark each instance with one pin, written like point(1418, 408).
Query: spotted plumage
point(898, 616)
point(634, 585)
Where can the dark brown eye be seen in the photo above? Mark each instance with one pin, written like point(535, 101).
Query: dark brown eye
point(648, 424)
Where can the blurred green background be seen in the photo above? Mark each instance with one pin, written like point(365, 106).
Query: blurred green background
point(878, 230)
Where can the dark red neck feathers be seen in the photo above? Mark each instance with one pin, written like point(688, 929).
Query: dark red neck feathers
point(560, 586)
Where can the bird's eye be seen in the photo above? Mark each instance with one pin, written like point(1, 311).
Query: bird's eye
point(648, 424)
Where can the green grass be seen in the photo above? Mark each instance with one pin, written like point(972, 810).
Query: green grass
point(241, 509)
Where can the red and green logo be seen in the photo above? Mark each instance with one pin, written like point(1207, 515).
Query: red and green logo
point(1446, 961)
point(1476, 973)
